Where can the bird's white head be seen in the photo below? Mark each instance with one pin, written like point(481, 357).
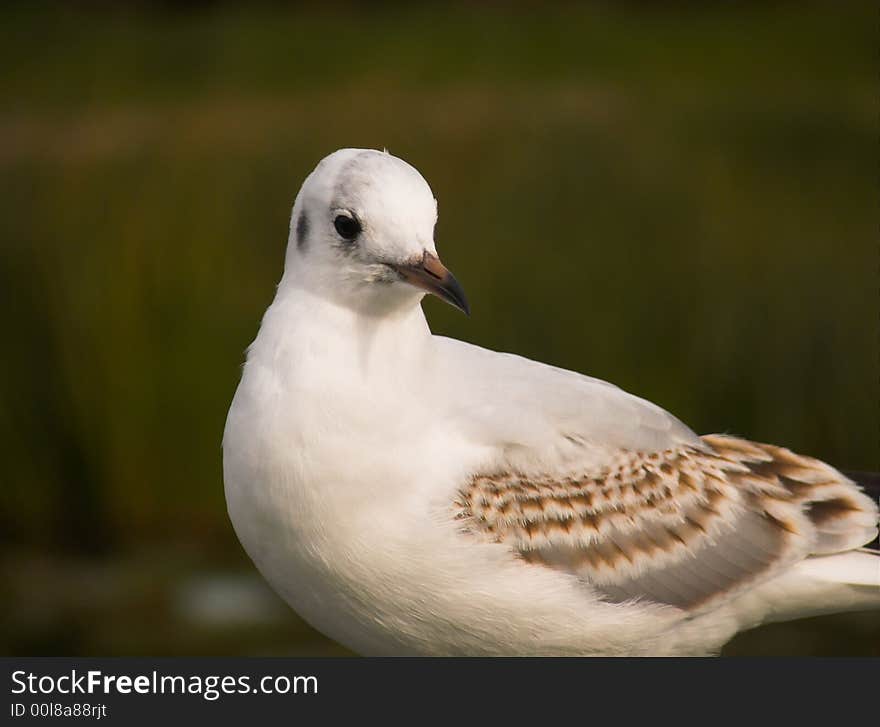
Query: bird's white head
point(362, 234)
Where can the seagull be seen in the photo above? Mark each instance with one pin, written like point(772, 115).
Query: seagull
point(412, 494)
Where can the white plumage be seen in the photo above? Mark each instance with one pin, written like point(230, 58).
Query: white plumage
point(413, 494)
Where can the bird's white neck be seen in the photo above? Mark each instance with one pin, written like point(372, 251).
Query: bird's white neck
point(304, 329)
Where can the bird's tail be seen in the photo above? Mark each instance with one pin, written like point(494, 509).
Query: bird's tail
point(860, 567)
point(829, 581)
point(819, 585)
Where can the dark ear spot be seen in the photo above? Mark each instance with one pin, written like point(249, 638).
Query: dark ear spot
point(302, 230)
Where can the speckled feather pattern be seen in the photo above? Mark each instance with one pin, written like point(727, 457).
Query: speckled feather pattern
point(686, 526)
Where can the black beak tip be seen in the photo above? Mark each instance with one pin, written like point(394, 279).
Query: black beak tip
point(454, 295)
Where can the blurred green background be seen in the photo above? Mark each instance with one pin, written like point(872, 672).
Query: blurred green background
point(680, 198)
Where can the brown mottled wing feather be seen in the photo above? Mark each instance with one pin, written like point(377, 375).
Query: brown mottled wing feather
point(687, 527)
point(869, 482)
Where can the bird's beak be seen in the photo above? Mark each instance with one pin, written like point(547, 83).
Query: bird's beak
point(431, 275)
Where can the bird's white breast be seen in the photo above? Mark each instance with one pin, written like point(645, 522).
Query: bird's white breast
point(342, 496)
point(329, 482)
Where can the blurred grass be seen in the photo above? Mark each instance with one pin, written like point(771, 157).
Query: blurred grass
point(680, 200)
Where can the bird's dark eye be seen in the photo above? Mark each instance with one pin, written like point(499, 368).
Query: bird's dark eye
point(347, 227)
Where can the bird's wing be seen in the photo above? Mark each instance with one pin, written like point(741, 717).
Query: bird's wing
point(549, 413)
point(684, 526)
point(647, 510)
